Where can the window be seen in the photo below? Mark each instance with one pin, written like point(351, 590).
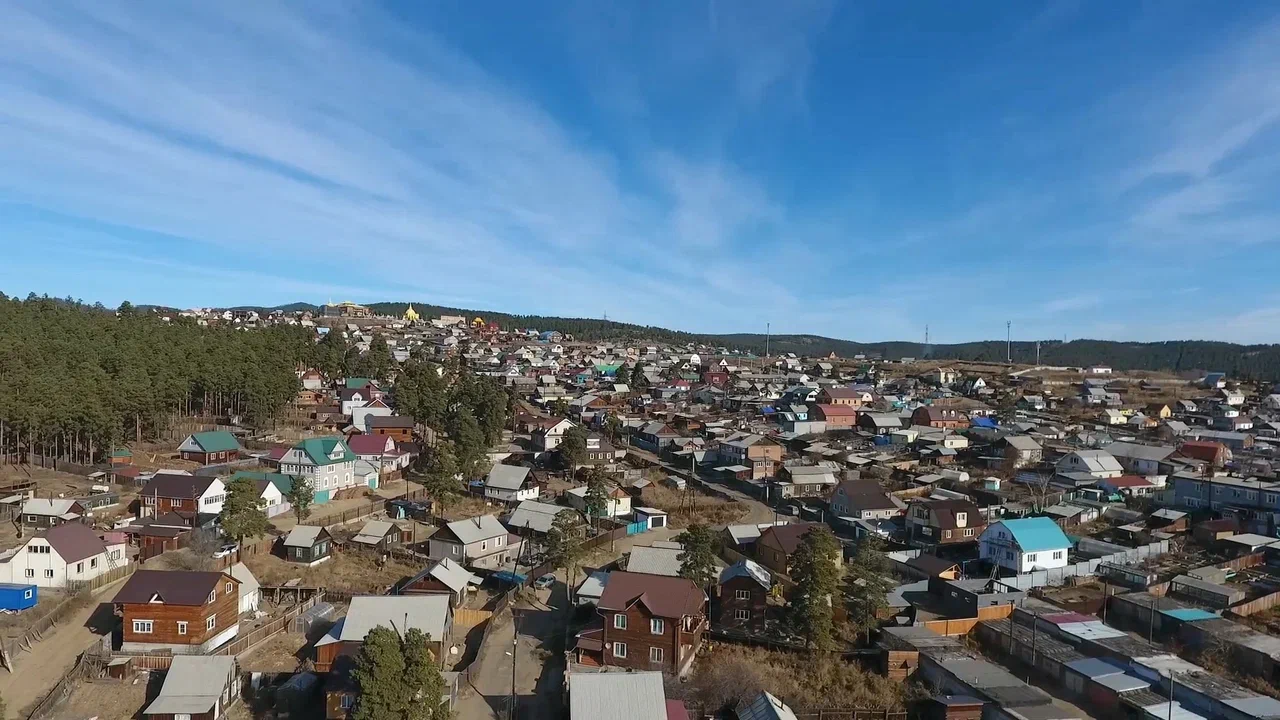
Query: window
point(1008, 554)
point(741, 614)
point(79, 567)
point(619, 649)
point(27, 595)
point(31, 573)
point(48, 573)
point(230, 587)
point(1057, 554)
point(742, 594)
point(961, 517)
point(213, 595)
point(93, 562)
point(347, 702)
point(211, 622)
point(1269, 498)
point(182, 627)
point(484, 544)
point(455, 549)
point(497, 542)
point(1031, 557)
point(655, 654)
point(968, 532)
point(620, 621)
point(142, 627)
point(31, 518)
point(657, 626)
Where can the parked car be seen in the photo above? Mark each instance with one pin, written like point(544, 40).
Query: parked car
point(545, 581)
point(225, 550)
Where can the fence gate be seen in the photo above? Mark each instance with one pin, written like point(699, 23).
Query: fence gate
point(637, 527)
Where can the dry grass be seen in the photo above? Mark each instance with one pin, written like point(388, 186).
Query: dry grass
point(689, 506)
point(728, 673)
point(345, 571)
point(279, 654)
point(106, 698)
point(462, 508)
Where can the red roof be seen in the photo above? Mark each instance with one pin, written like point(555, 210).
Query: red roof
point(842, 392)
point(1127, 481)
point(837, 410)
point(668, 597)
point(1202, 449)
point(370, 444)
point(676, 710)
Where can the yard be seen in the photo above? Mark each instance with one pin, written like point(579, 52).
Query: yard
point(685, 507)
point(281, 653)
point(343, 571)
point(726, 673)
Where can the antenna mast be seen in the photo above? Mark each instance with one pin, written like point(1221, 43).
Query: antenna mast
point(1008, 340)
point(767, 328)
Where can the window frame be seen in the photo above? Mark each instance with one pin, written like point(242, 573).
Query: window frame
point(741, 614)
point(619, 621)
point(150, 626)
point(654, 650)
point(620, 646)
point(741, 594)
point(657, 626)
point(211, 622)
point(182, 627)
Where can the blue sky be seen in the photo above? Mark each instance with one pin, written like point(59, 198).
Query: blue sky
point(857, 170)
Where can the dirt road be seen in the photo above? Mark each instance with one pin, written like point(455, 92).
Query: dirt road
point(39, 670)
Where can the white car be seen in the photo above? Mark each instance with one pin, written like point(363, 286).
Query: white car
point(225, 550)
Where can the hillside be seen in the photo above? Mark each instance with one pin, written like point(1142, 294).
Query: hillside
point(1260, 362)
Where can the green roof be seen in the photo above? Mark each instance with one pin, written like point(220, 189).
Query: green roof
point(320, 449)
point(121, 452)
point(283, 483)
point(357, 383)
point(216, 441)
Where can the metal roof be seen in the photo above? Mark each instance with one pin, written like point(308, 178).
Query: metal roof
point(192, 685)
point(428, 613)
point(1189, 614)
point(1260, 706)
point(506, 477)
point(1122, 682)
point(538, 516)
point(747, 567)
point(655, 561)
point(1096, 667)
point(1036, 534)
point(473, 530)
point(617, 696)
point(303, 536)
point(765, 707)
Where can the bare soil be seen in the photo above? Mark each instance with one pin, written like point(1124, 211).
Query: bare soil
point(345, 571)
point(281, 653)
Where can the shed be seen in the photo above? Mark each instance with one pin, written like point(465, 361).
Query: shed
point(250, 590)
point(17, 596)
point(652, 517)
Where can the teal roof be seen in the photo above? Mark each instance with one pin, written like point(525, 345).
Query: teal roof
point(357, 383)
point(320, 449)
point(216, 441)
point(283, 483)
point(122, 452)
point(1189, 614)
point(1037, 534)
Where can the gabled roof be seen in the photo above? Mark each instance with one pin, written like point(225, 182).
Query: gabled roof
point(1140, 452)
point(171, 587)
point(668, 597)
point(73, 541)
point(192, 685)
point(617, 696)
point(370, 444)
point(241, 572)
point(473, 530)
point(507, 477)
point(215, 441)
point(171, 484)
point(319, 450)
point(1036, 534)
point(652, 560)
point(787, 537)
point(53, 507)
point(428, 613)
point(389, 421)
point(1023, 443)
point(764, 707)
point(537, 516)
point(865, 495)
point(303, 536)
point(748, 568)
point(449, 573)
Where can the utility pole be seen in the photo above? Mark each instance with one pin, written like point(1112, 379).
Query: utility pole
point(767, 328)
point(1008, 339)
point(926, 334)
point(1037, 352)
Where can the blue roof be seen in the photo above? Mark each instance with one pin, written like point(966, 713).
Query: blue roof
point(983, 422)
point(1189, 614)
point(1037, 534)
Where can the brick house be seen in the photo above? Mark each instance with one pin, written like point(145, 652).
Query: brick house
point(837, 417)
point(942, 418)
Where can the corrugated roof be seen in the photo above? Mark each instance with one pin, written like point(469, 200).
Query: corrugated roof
point(428, 613)
point(173, 587)
point(192, 685)
point(216, 441)
point(669, 597)
point(617, 696)
point(765, 707)
point(73, 542)
point(473, 530)
point(1036, 534)
point(506, 477)
point(303, 536)
point(655, 561)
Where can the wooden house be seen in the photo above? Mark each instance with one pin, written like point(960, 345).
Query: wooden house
point(206, 448)
point(180, 611)
point(308, 545)
point(742, 601)
point(650, 622)
point(443, 577)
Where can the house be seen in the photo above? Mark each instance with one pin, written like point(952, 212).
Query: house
point(1214, 453)
point(1025, 545)
point(621, 696)
point(1022, 450)
point(550, 433)
point(879, 423)
point(1160, 411)
point(654, 437)
point(1184, 407)
point(862, 500)
point(337, 651)
point(250, 590)
point(757, 452)
point(308, 545)
point(618, 504)
point(271, 490)
point(46, 512)
point(61, 556)
point(1141, 459)
point(479, 542)
point(651, 622)
point(510, 484)
point(600, 451)
point(374, 408)
point(846, 396)
point(190, 496)
point(1233, 397)
point(837, 417)
point(778, 543)
point(537, 517)
point(939, 417)
point(1128, 485)
point(931, 566)
point(806, 481)
point(196, 688)
point(944, 376)
point(1033, 403)
point(1098, 463)
point(351, 398)
point(326, 462)
point(442, 577)
point(377, 535)
point(1111, 417)
point(742, 601)
point(944, 522)
point(396, 427)
point(206, 448)
point(184, 612)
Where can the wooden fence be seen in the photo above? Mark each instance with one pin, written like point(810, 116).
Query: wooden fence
point(1265, 602)
point(36, 630)
point(962, 626)
point(499, 607)
point(89, 664)
point(468, 617)
point(242, 645)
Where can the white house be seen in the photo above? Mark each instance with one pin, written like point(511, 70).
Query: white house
point(326, 462)
point(510, 484)
point(53, 558)
point(1111, 417)
point(1025, 545)
point(619, 502)
point(549, 436)
point(250, 590)
point(375, 408)
point(1098, 463)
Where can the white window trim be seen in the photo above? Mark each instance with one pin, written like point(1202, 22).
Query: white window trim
point(742, 594)
point(655, 654)
point(182, 627)
point(657, 626)
point(741, 614)
point(211, 622)
point(620, 649)
point(619, 621)
point(148, 624)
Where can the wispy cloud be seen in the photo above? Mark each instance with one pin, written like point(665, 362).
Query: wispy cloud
point(1072, 303)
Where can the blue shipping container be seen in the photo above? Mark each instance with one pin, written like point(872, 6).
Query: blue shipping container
point(17, 597)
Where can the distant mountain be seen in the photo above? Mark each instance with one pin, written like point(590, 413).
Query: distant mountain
point(1260, 362)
